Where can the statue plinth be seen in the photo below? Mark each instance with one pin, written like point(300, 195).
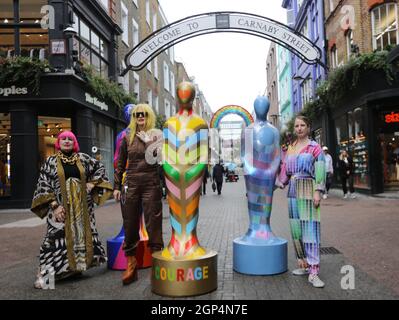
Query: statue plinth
point(184, 278)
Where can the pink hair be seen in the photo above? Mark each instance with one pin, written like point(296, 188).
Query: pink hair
point(67, 134)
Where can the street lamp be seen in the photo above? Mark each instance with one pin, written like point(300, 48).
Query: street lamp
point(69, 33)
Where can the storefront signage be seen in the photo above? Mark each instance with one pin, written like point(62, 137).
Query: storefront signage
point(392, 117)
point(212, 22)
point(96, 102)
point(5, 92)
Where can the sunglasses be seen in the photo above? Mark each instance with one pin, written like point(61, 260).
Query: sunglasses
point(140, 114)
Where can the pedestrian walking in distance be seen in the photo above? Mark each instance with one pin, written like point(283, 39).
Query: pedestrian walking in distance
point(69, 185)
point(217, 176)
point(345, 166)
point(303, 169)
point(329, 171)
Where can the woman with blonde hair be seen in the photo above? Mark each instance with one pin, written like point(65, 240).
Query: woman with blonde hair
point(138, 158)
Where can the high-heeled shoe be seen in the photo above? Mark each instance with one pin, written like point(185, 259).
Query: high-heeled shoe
point(130, 275)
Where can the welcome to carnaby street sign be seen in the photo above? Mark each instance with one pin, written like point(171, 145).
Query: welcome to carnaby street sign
point(214, 22)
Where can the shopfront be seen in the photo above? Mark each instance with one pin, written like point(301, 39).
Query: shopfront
point(389, 144)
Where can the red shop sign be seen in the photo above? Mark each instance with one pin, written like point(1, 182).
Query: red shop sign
point(392, 117)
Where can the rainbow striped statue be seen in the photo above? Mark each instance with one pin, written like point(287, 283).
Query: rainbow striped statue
point(259, 251)
point(184, 267)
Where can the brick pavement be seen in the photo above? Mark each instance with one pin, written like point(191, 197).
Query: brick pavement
point(221, 220)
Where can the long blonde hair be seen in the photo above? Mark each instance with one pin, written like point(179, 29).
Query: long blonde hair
point(149, 120)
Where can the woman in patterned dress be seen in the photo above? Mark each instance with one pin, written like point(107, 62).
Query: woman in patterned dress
point(303, 169)
point(69, 184)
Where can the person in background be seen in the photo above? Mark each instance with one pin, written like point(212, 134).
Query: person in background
point(345, 166)
point(217, 176)
point(329, 171)
point(206, 177)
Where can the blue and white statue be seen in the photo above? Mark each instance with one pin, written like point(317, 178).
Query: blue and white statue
point(259, 251)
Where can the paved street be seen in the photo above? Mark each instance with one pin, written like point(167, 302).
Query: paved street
point(364, 230)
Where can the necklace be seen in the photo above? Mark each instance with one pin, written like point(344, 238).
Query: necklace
point(68, 160)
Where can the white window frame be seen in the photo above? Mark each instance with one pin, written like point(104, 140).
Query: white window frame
point(334, 57)
point(149, 97)
point(126, 79)
point(331, 5)
point(349, 42)
point(136, 88)
point(125, 23)
point(154, 22)
point(166, 80)
point(172, 85)
point(379, 37)
point(156, 104)
point(167, 109)
point(156, 68)
point(135, 33)
point(105, 4)
point(148, 12)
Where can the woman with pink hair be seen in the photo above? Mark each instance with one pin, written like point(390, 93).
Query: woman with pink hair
point(69, 184)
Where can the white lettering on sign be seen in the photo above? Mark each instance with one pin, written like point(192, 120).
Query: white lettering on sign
point(5, 92)
point(232, 22)
point(96, 102)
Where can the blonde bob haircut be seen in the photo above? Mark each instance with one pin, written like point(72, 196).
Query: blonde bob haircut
point(149, 120)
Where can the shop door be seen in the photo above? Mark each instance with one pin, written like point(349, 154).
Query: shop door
point(390, 160)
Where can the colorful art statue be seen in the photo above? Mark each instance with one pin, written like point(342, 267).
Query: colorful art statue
point(259, 251)
point(116, 256)
point(184, 267)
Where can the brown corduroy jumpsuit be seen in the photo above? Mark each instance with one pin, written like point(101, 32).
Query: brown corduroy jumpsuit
point(141, 186)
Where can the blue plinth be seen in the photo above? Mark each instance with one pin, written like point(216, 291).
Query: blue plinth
point(263, 257)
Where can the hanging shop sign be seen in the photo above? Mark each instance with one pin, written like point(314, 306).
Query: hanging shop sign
point(214, 22)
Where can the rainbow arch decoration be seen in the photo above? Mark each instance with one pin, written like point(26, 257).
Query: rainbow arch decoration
point(231, 109)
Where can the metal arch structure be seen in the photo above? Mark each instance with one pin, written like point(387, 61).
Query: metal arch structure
point(222, 21)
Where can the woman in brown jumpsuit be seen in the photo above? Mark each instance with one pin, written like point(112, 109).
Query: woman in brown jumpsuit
point(138, 158)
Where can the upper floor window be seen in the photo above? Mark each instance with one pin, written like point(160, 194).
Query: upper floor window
point(384, 20)
point(334, 57)
point(300, 2)
point(331, 5)
point(125, 24)
point(105, 3)
point(166, 76)
point(349, 42)
point(305, 29)
point(23, 22)
point(136, 3)
point(306, 90)
point(136, 37)
point(91, 48)
point(147, 12)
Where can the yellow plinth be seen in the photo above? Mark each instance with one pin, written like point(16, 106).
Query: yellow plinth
point(184, 278)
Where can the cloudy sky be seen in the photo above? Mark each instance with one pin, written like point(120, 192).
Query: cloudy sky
point(230, 68)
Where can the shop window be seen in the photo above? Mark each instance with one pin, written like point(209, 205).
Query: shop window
point(5, 156)
point(102, 139)
point(48, 130)
point(358, 147)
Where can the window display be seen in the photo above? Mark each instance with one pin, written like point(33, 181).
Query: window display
point(5, 149)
